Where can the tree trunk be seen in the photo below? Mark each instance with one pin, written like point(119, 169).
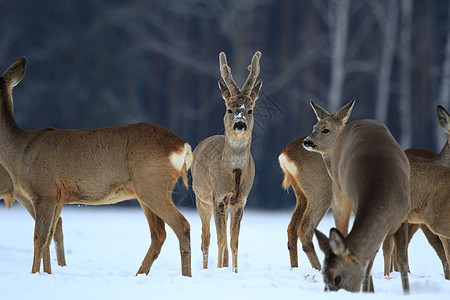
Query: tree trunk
point(405, 75)
point(444, 93)
point(339, 48)
point(387, 57)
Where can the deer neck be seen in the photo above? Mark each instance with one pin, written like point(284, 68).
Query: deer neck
point(366, 250)
point(327, 161)
point(236, 152)
point(10, 132)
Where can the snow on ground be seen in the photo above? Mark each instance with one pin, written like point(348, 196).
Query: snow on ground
point(105, 246)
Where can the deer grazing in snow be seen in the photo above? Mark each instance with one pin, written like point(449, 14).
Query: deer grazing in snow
point(223, 169)
point(419, 155)
point(51, 167)
point(306, 173)
point(370, 174)
point(6, 192)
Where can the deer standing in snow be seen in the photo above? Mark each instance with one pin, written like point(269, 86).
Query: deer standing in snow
point(306, 173)
point(223, 169)
point(370, 175)
point(419, 155)
point(51, 167)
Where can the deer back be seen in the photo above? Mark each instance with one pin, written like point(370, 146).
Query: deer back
point(304, 168)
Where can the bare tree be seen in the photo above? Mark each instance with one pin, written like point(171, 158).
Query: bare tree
point(388, 19)
point(444, 93)
point(405, 74)
point(338, 47)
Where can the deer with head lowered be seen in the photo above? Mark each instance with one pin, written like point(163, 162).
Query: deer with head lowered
point(6, 192)
point(223, 169)
point(51, 167)
point(370, 173)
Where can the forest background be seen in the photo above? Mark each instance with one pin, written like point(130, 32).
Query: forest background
point(113, 62)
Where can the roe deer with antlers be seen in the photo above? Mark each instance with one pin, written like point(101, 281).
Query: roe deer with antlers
point(6, 192)
point(419, 155)
point(306, 173)
point(51, 167)
point(370, 173)
point(223, 169)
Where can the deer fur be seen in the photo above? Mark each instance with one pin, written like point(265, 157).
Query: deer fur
point(306, 173)
point(51, 167)
point(371, 173)
point(6, 192)
point(419, 155)
point(223, 169)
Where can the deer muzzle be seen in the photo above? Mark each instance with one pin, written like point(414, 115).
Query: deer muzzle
point(240, 126)
point(308, 144)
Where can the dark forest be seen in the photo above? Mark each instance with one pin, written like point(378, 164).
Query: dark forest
point(103, 63)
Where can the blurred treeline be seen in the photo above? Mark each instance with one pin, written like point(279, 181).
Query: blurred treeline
point(112, 62)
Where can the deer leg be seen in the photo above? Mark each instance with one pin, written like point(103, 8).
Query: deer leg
point(235, 224)
point(401, 245)
point(45, 210)
point(315, 211)
point(204, 209)
point(220, 218)
point(446, 244)
point(342, 209)
point(159, 201)
point(437, 245)
point(59, 243)
point(158, 236)
point(412, 229)
point(293, 227)
point(388, 249)
point(46, 254)
point(368, 282)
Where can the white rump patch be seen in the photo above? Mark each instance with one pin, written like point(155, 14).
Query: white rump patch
point(287, 164)
point(178, 159)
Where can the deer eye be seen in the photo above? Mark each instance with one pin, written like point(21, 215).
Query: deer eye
point(250, 112)
point(337, 280)
point(325, 130)
point(230, 111)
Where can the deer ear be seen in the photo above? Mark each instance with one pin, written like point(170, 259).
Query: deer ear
point(324, 243)
point(225, 91)
point(344, 113)
point(443, 118)
point(319, 111)
point(255, 91)
point(337, 242)
point(14, 74)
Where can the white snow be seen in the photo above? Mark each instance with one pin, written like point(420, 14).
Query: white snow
point(105, 246)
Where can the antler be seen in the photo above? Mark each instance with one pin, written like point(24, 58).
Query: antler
point(254, 72)
point(225, 72)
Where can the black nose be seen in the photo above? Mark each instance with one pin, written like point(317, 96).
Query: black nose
point(308, 143)
point(240, 126)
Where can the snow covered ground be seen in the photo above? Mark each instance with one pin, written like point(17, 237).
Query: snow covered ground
point(105, 246)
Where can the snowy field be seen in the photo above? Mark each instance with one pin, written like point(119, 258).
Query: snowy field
point(105, 246)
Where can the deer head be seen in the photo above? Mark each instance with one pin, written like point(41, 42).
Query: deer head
point(325, 132)
point(341, 269)
point(238, 119)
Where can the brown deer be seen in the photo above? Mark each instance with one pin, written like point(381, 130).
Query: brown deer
point(306, 173)
point(430, 205)
point(425, 156)
point(223, 169)
point(370, 173)
point(51, 167)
